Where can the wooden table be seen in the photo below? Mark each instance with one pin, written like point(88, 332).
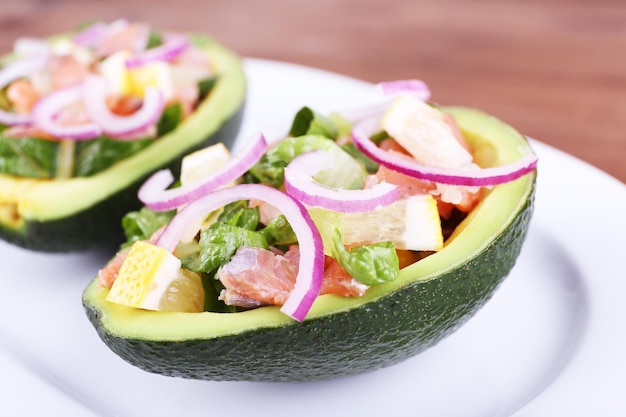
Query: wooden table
point(556, 69)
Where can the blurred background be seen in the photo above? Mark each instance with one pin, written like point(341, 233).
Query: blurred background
point(555, 69)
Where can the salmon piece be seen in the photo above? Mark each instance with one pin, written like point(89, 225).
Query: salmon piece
point(257, 274)
point(448, 196)
point(188, 98)
point(123, 105)
point(255, 277)
point(193, 56)
point(130, 37)
point(267, 211)
point(108, 274)
point(390, 144)
point(22, 95)
point(65, 70)
point(337, 281)
point(26, 131)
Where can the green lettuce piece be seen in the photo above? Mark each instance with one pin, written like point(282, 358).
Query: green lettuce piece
point(239, 214)
point(154, 39)
point(93, 156)
point(369, 264)
point(370, 166)
point(141, 224)
point(28, 157)
point(308, 122)
point(170, 119)
point(212, 288)
point(205, 86)
point(279, 232)
point(37, 158)
point(218, 243)
point(344, 126)
point(347, 173)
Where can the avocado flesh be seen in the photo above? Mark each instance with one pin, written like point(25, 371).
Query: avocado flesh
point(343, 336)
point(77, 213)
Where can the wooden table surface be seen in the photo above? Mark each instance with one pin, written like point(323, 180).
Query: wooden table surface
point(555, 69)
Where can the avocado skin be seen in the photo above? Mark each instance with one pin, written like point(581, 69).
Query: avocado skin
point(378, 334)
point(100, 226)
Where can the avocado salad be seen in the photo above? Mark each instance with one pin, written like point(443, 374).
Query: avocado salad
point(240, 231)
point(364, 228)
point(81, 113)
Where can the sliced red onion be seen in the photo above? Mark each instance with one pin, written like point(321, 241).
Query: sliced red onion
point(453, 176)
point(47, 108)
point(417, 88)
point(120, 127)
point(13, 71)
point(155, 195)
point(300, 184)
point(311, 266)
point(91, 35)
point(168, 51)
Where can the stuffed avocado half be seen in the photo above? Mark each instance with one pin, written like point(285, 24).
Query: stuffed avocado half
point(87, 116)
point(383, 289)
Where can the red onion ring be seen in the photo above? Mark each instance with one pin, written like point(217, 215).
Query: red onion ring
point(13, 71)
point(120, 127)
point(46, 109)
point(454, 176)
point(154, 195)
point(311, 267)
point(417, 88)
point(168, 51)
point(300, 184)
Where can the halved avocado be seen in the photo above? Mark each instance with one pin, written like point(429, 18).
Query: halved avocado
point(55, 215)
point(344, 336)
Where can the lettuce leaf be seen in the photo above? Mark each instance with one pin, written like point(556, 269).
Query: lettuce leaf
point(170, 119)
point(369, 264)
point(278, 232)
point(308, 122)
point(141, 224)
point(218, 243)
point(270, 169)
point(37, 158)
point(93, 156)
point(239, 214)
point(28, 157)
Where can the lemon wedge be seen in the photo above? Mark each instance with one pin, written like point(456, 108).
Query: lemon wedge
point(113, 69)
point(422, 130)
point(151, 278)
point(154, 74)
point(199, 164)
point(412, 223)
point(194, 168)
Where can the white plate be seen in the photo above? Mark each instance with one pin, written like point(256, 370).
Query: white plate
point(550, 342)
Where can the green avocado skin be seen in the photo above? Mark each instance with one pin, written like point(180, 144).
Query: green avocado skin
point(375, 335)
point(100, 226)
